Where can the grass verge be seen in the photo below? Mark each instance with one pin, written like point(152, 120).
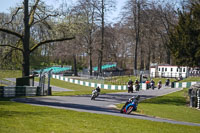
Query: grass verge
point(172, 106)
point(77, 89)
point(10, 74)
point(18, 117)
point(191, 79)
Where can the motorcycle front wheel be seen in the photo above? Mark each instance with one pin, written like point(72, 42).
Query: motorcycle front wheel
point(92, 98)
point(129, 110)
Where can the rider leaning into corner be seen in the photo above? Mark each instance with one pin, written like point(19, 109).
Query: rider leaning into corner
point(134, 98)
point(98, 90)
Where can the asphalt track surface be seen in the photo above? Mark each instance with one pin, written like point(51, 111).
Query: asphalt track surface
point(104, 104)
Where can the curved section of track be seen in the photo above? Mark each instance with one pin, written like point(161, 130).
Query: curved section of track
point(102, 105)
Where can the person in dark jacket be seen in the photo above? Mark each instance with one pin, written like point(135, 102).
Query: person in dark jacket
point(130, 86)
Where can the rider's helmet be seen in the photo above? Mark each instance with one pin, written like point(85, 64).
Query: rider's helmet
point(98, 89)
point(130, 99)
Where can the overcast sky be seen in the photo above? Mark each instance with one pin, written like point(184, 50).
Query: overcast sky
point(6, 4)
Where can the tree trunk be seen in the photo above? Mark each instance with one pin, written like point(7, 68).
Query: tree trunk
point(141, 59)
point(90, 50)
point(102, 39)
point(148, 58)
point(100, 63)
point(75, 65)
point(137, 26)
point(160, 54)
point(135, 58)
point(26, 52)
point(90, 54)
point(26, 64)
point(168, 57)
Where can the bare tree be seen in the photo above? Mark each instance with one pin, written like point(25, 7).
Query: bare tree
point(132, 16)
point(87, 12)
point(167, 17)
point(103, 7)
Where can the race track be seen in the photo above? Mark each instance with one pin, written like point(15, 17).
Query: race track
point(104, 104)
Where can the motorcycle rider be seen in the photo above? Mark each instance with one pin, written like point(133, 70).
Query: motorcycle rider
point(159, 84)
point(152, 84)
point(148, 84)
point(130, 86)
point(167, 82)
point(134, 98)
point(98, 90)
point(137, 85)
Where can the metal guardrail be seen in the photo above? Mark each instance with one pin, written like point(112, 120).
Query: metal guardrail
point(8, 83)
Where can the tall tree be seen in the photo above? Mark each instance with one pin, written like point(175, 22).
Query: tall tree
point(132, 15)
point(30, 18)
point(184, 38)
point(87, 12)
point(100, 59)
point(103, 7)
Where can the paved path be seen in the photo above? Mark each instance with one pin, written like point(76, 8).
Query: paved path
point(54, 88)
point(104, 104)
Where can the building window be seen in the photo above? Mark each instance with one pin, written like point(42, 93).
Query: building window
point(171, 69)
point(183, 69)
point(177, 69)
point(162, 69)
point(159, 69)
point(165, 69)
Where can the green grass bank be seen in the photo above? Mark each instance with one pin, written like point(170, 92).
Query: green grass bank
point(18, 118)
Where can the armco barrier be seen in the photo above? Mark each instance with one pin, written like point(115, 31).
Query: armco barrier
point(6, 91)
point(102, 86)
point(184, 84)
point(117, 87)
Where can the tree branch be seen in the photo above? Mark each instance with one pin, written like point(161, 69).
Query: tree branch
point(32, 12)
point(19, 8)
point(12, 47)
point(43, 19)
point(12, 33)
point(49, 41)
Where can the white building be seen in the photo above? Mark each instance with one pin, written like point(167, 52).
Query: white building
point(169, 71)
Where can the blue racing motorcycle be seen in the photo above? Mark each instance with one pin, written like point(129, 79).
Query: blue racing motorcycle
point(130, 105)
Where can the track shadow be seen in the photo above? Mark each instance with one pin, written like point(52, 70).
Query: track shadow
point(65, 105)
point(88, 108)
point(118, 97)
